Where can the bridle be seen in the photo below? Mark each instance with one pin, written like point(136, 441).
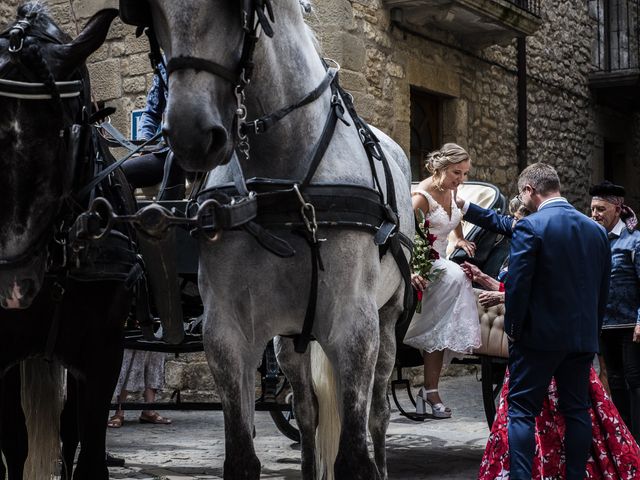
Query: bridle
point(60, 92)
point(256, 16)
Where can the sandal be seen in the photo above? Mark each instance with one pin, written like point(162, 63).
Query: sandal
point(116, 421)
point(438, 410)
point(154, 418)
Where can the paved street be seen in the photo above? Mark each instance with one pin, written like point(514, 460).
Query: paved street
point(193, 446)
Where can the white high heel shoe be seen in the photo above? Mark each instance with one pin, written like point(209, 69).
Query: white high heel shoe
point(438, 410)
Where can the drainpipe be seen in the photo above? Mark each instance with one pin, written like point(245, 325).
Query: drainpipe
point(522, 104)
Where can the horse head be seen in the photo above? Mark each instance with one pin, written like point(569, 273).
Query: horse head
point(43, 93)
point(209, 48)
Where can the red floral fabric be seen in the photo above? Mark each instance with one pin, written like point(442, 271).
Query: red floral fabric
point(614, 453)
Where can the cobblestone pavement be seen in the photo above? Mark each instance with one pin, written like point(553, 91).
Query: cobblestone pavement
point(192, 448)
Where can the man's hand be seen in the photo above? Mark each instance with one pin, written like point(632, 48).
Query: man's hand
point(490, 299)
point(419, 282)
point(636, 333)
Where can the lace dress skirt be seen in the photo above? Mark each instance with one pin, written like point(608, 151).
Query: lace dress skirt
point(449, 317)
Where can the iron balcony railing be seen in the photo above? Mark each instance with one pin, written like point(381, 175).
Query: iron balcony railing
point(616, 42)
point(531, 6)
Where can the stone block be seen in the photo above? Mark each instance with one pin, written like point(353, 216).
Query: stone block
point(105, 79)
point(134, 85)
point(436, 78)
point(353, 81)
point(136, 64)
point(347, 49)
point(136, 45)
point(86, 8)
point(334, 13)
point(192, 376)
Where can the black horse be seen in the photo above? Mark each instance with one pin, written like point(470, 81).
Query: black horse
point(64, 295)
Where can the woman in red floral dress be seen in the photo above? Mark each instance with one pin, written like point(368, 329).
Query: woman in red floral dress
point(615, 455)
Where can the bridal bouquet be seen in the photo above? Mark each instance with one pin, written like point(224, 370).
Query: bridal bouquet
point(424, 255)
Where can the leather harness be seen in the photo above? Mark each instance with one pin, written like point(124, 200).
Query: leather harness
point(298, 206)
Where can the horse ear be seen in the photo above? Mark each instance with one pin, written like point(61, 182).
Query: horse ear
point(93, 35)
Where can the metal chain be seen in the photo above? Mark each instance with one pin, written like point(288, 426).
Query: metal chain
point(241, 116)
point(308, 213)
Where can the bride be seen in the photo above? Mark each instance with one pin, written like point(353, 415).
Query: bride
point(448, 322)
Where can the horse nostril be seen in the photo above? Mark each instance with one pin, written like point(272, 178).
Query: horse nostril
point(218, 139)
point(27, 287)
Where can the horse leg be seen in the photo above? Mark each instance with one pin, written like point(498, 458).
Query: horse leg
point(297, 368)
point(94, 397)
point(69, 428)
point(233, 361)
point(353, 355)
point(380, 409)
point(13, 427)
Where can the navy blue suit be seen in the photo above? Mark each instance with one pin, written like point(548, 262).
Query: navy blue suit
point(490, 220)
point(556, 296)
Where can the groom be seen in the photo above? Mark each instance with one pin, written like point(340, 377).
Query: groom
point(556, 296)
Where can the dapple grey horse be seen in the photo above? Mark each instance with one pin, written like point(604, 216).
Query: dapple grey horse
point(249, 294)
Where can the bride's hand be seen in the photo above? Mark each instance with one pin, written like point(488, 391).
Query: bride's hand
point(419, 282)
point(467, 246)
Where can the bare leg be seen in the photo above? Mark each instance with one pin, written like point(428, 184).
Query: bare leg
point(149, 397)
point(432, 369)
point(122, 397)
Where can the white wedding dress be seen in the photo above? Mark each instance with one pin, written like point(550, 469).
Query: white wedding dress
point(449, 317)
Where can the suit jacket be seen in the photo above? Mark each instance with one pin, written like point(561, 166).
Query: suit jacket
point(490, 220)
point(559, 270)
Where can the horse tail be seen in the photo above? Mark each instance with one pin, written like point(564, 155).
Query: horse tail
point(42, 402)
point(328, 431)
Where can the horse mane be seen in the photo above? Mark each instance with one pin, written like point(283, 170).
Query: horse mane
point(38, 14)
point(31, 10)
point(307, 9)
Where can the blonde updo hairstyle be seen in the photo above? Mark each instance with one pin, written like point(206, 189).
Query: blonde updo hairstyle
point(437, 162)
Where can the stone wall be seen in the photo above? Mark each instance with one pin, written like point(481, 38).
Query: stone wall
point(380, 65)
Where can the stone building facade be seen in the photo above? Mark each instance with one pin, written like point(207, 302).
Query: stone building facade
point(464, 86)
point(421, 73)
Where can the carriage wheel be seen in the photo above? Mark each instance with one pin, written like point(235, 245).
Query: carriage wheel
point(492, 378)
point(285, 420)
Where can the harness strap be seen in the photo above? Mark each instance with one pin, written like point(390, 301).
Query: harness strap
point(264, 123)
point(372, 147)
point(184, 62)
point(395, 247)
point(302, 340)
point(118, 136)
point(238, 176)
point(38, 91)
point(107, 171)
point(325, 139)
